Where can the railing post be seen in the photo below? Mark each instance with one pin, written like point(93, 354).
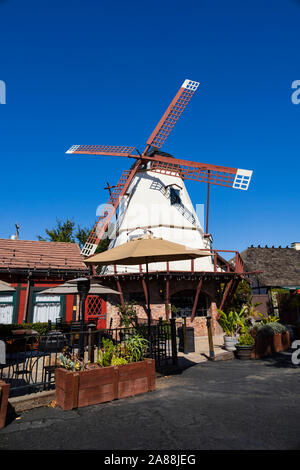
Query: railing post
point(173, 341)
point(210, 337)
point(236, 262)
point(90, 346)
point(184, 336)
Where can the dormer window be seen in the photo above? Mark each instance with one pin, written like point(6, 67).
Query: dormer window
point(175, 196)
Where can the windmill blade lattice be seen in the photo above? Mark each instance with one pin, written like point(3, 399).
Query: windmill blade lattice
point(222, 176)
point(172, 114)
point(108, 212)
point(109, 150)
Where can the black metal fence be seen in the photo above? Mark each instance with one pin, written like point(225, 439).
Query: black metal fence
point(30, 359)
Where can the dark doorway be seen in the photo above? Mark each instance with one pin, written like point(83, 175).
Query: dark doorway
point(182, 304)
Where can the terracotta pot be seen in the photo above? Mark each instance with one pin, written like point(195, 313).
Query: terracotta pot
point(102, 384)
point(268, 345)
point(4, 392)
point(281, 342)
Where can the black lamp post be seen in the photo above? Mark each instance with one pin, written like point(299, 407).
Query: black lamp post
point(83, 287)
point(210, 337)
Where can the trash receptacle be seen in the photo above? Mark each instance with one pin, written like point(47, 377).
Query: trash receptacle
point(190, 342)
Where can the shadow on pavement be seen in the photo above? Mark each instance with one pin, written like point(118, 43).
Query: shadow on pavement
point(183, 364)
point(281, 360)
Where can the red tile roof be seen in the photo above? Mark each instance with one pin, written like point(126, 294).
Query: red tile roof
point(26, 254)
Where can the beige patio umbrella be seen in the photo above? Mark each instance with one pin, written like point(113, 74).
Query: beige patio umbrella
point(68, 288)
point(5, 287)
point(143, 251)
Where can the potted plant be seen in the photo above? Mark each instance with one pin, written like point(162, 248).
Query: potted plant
point(120, 371)
point(231, 323)
point(270, 337)
point(244, 346)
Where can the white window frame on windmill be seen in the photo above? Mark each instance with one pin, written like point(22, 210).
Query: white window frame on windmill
point(2, 92)
point(190, 85)
point(242, 179)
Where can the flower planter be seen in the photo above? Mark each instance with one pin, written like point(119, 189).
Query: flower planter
point(268, 345)
point(103, 384)
point(4, 392)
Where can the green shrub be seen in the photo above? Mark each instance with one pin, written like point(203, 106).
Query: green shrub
point(118, 361)
point(269, 319)
point(40, 328)
point(128, 314)
point(232, 322)
point(136, 348)
point(71, 361)
point(246, 340)
point(106, 353)
point(270, 329)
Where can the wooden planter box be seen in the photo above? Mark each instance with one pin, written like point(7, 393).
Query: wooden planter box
point(102, 384)
point(4, 392)
point(268, 345)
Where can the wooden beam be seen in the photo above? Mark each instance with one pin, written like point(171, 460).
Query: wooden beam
point(144, 286)
point(167, 300)
point(119, 286)
point(25, 313)
point(226, 293)
point(196, 299)
point(232, 290)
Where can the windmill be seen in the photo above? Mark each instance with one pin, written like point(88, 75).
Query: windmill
point(152, 159)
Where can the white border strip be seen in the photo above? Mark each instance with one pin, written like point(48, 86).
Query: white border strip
point(73, 149)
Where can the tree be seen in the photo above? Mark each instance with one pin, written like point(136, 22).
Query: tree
point(63, 232)
point(242, 296)
point(66, 232)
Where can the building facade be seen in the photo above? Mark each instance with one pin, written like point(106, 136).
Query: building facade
point(33, 266)
point(276, 283)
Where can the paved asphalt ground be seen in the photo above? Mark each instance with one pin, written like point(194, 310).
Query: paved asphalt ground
point(233, 405)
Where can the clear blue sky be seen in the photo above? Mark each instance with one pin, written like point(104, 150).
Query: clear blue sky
point(92, 72)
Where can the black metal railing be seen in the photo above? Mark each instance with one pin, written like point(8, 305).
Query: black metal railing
point(30, 360)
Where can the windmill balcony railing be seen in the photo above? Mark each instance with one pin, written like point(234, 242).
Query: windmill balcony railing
point(219, 264)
